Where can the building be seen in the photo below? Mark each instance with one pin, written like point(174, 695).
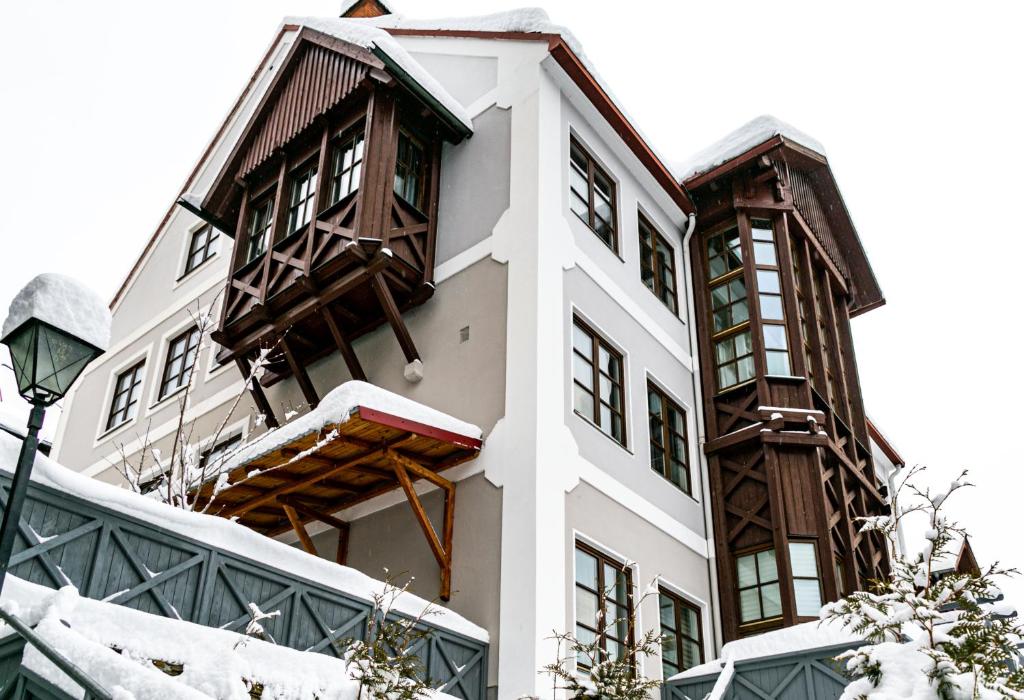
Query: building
point(459, 212)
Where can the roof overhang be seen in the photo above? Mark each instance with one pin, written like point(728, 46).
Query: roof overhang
point(866, 292)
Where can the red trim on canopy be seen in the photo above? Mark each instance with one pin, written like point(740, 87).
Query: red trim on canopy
point(399, 423)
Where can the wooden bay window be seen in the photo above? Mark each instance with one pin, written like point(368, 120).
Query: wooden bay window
point(411, 170)
point(346, 165)
point(302, 199)
point(757, 577)
point(730, 312)
point(258, 230)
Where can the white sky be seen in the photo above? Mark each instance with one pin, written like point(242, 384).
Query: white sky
point(106, 105)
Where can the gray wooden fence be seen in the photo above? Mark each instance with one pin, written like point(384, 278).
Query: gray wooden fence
point(807, 675)
point(111, 556)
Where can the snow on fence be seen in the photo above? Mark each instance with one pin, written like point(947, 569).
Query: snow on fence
point(116, 546)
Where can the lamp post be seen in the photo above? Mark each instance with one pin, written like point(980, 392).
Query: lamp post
point(54, 329)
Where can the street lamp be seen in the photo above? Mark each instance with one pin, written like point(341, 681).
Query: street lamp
point(55, 327)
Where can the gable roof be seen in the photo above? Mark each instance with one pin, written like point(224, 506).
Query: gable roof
point(366, 8)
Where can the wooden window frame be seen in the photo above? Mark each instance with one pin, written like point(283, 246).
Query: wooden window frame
point(649, 261)
point(593, 171)
point(348, 139)
point(423, 174)
point(758, 586)
point(598, 343)
point(133, 390)
point(818, 579)
point(667, 432)
point(678, 603)
point(183, 375)
point(263, 203)
point(764, 223)
point(209, 248)
point(736, 330)
point(302, 211)
point(600, 631)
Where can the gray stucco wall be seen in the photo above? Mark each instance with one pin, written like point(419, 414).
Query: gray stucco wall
point(474, 184)
point(602, 523)
point(645, 359)
point(392, 539)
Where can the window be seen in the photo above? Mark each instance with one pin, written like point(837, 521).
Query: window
point(682, 645)
point(411, 170)
point(592, 195)
point(668, 438)
point(258, 231)
point(222, 449)
point(202, 247)
point(730, 311)
point(657, 264)
point(757, 577)
point(598, 393)
point(346, 165)
point(806, 585)
point(603, 604)
point(181, 356)
point(125, 403)
point(769, 294)
point(301, 202)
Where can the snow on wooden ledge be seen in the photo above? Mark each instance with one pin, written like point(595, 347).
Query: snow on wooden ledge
point(215, 663)
point(227, 535)
point(337, 407)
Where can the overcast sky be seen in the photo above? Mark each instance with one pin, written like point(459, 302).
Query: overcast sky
point(106, 105)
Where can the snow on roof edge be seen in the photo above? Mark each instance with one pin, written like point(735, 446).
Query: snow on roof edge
point(337, 407)
point(227, 535)
point(737, 142)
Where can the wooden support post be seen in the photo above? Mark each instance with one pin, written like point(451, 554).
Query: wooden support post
point(258, 396)
point(310, 512)
point(394, 316)
point(441, 547)
point(348, 353)
point(305, 383)
point(300, 530)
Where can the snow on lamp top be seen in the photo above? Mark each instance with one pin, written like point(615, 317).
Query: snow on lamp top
point(63, 303)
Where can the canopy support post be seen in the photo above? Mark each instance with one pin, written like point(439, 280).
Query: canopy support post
point(441, 547)
point(300, 529)
point(340, 525)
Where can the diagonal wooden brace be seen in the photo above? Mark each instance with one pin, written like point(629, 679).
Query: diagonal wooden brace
point(441, 547)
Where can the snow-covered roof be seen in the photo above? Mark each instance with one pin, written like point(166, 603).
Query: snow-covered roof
point(337, 407)
point(802, 637)
point(224, 534)
point(365, 34)
point(64, 303)
point(216, 663)
point(736, 143)
point(388, 5)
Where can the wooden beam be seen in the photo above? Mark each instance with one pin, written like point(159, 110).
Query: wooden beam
point(305, 383)
point(394, 316)
point(441, 547)
point(348, 353)
point(300, 530)
point(258, 396)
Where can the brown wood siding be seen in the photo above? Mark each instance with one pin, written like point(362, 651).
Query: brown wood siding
point(320, 79)
point(809, 206)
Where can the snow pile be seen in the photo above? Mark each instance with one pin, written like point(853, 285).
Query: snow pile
point(751, 134)
point(226, 535)
point(364, 34)
point(63, 303)
point(790, 640)
point(337, 407)
point(214, 663)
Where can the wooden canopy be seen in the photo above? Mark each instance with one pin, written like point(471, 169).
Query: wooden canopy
point(320, 473)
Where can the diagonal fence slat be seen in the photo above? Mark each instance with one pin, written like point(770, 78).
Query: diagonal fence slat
point(109, 555)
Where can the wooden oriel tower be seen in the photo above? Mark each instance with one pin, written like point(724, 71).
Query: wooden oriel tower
point(778, 273)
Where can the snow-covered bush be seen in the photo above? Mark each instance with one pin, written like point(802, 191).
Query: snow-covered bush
point(615, 677)
point(386, 665)
point(931, 636)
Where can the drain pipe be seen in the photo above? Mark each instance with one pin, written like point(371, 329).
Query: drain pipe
point(716, 619)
